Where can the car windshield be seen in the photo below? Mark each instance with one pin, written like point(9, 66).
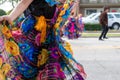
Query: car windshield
point(117, 15)
point(91, 15)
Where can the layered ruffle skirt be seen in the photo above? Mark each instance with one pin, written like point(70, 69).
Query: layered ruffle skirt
point(34, 50)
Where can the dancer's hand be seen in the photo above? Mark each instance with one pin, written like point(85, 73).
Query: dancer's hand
point(5, 18)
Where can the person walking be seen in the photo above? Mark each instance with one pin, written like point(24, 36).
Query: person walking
point(104, 23)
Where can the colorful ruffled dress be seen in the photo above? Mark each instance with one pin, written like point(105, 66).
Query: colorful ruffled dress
point(34, 50)
point(73, 27)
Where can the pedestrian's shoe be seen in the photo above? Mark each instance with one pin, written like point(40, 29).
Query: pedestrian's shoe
point(105, 37)
point(101, 39)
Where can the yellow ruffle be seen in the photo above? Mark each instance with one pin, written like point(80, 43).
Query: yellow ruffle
point(4, 69)
point(1, 62)
point(12, 48)
point(41, 26)
point(2, 77)
point(59, 20)
point(68, 47)
point(6, 32)
point(62, 13)
point(66, 6)
point(43, 57)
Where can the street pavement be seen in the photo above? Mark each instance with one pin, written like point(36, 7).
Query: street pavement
point(101, 59)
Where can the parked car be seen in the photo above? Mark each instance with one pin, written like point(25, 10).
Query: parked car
point(113, 19)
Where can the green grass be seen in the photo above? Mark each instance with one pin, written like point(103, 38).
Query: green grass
point(98, 34)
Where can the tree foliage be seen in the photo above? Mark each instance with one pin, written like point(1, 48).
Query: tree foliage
point(2, 1)
point(2, 12)
point(13, 2)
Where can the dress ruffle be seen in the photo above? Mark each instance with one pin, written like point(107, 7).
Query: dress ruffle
point(33, 52)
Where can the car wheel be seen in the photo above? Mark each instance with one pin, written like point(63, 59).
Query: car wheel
point(116, 26)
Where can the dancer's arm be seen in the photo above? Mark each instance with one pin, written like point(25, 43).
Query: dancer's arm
point(17, 11)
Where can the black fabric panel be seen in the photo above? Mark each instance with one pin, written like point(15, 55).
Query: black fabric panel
point(40, 7)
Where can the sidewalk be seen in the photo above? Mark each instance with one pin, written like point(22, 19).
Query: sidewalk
point(111, 33)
